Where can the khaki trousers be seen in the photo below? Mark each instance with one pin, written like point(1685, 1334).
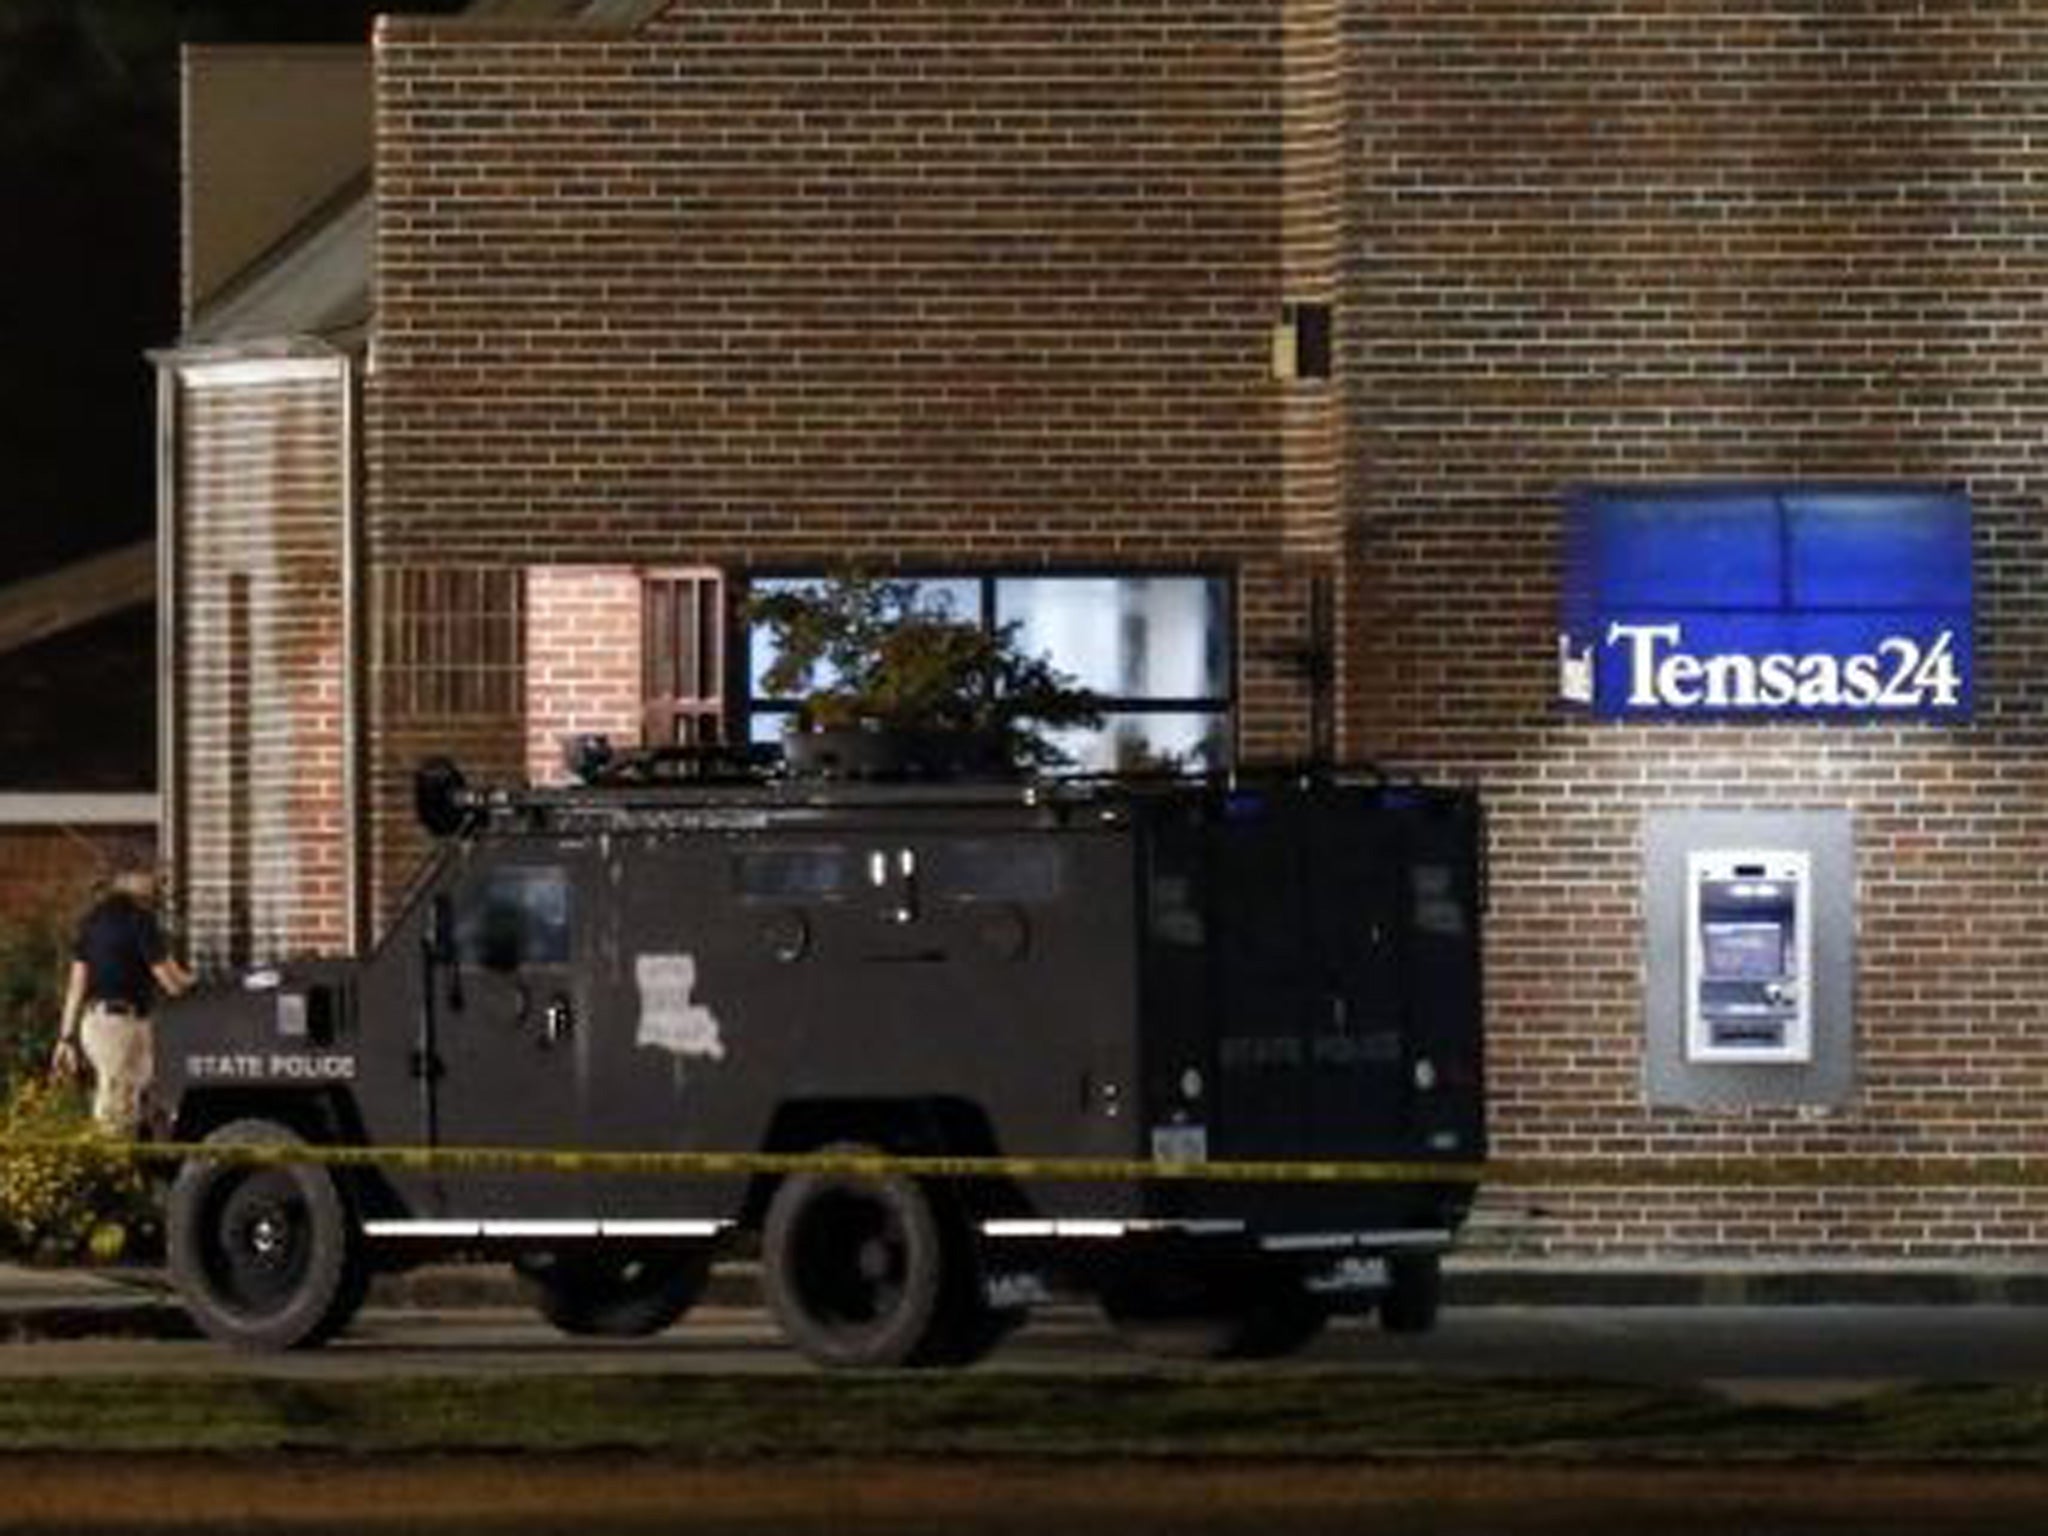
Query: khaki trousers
point(122, 1050)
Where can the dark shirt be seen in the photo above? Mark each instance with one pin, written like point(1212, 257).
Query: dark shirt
point(119, 941)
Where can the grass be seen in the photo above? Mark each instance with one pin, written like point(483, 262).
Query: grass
point(1222, 1415)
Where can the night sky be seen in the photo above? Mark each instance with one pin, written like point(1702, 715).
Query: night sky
point(89, 253)
point(89, 242)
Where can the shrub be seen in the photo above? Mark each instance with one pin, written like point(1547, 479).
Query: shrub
point(33, 957)
point(66, 1192)
point(70, 1194)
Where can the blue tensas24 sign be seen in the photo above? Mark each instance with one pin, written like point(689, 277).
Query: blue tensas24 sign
point(1684, 601)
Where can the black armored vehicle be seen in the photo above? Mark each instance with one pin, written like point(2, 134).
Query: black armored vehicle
point(1148, 976)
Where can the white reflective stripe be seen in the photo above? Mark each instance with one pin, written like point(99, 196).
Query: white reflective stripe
point(422, 1229)
point(1088, 1227)
point(1037, 1228)
point(1298, 1242)
point(443, 1230)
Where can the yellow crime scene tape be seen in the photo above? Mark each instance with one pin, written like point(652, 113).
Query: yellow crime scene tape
point(1749, 1172)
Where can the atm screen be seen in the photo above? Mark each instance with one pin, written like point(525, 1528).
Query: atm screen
point(1743, 951)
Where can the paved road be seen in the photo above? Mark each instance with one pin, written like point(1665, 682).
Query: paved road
point(1796, 1353)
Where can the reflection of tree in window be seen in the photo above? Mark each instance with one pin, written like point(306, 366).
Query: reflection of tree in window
point(1154, 649)
point(519, 917)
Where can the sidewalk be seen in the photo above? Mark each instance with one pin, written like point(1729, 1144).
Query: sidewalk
point(139, 1303)
point(1474, 1280)
point(49, 1304)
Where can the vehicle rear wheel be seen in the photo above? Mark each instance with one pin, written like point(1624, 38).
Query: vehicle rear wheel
point(864, 1272)
point(1414, 1293)
point(614, 1294)
point(267, 1257)
point(1214, 1314)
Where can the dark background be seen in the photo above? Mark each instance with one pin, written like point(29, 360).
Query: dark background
point(88, 283)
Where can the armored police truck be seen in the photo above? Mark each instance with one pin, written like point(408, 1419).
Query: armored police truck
point(1080, 995)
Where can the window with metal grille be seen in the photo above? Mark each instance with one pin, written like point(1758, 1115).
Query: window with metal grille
point(449, 641)
point(683, 649)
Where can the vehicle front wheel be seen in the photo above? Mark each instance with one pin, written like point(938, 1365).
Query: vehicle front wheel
point(863, 1272)
point(606, 1294)
point(266, 1256)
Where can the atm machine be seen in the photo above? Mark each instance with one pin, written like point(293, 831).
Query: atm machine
point(1749, 956)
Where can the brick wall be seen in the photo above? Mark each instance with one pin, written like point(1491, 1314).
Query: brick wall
point(881, 278)
point(966, 281)
point(942, 281)
point(1664, 240)
point(260, 835)
point(582, 661)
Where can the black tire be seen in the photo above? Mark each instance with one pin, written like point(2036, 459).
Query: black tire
point(605, 1293)
point(265, 1257)
point(1414, 1293)
point(865, 1273)
point(1214, 1314)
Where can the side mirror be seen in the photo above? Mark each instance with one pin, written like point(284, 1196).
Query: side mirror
point(440, 797)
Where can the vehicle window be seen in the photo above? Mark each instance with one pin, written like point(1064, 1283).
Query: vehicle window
point(975, 869)
point(516, 916)
point(793, 874)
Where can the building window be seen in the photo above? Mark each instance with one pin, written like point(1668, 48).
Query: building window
point(1155, 649)
point(1301, 342)
point(448, 644)
point(682, 658)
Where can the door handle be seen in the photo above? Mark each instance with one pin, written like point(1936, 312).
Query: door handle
point(557, 1022)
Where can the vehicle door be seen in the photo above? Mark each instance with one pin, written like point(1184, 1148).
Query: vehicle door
point(1304, 988)
point(510, 1014)
point(667, 1066)
point(1358, 1049)
point(1262, 986)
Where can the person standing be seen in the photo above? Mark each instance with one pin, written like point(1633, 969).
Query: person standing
point(118, 964)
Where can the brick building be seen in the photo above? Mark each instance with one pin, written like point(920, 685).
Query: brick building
point(1257, 329)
